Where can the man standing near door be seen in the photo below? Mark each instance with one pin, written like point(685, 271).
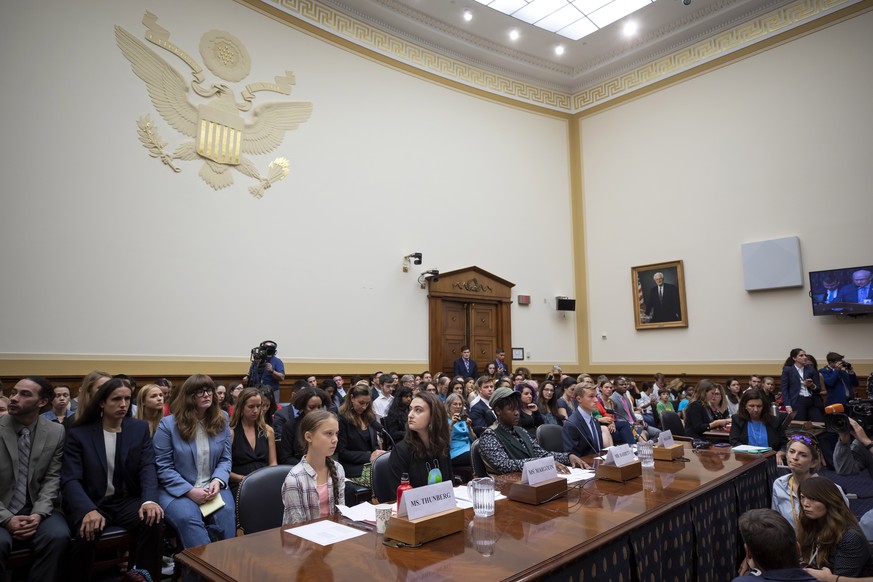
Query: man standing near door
point(500, 363)
point(464, 366)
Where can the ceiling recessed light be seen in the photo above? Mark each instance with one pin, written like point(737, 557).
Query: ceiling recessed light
point(559, 50)
point(630, 28)
point(513, 34)
point(468, 15)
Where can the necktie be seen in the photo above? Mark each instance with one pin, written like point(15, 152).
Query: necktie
point(595, 432)
point(660, 292)
point(467, 364)
point(19, 498)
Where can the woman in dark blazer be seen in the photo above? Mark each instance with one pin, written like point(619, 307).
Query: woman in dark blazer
point(801, 387)
point(105, 439)
point(706, 410)
point(754, 424)
point(358, 432)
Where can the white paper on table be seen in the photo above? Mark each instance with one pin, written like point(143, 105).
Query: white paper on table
point(360, 512)
point(462, 494)
point(750, 449)
point(325, 532)
point(463, 503)
point(577, 474)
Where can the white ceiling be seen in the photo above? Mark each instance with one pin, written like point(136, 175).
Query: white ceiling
point(664, 27)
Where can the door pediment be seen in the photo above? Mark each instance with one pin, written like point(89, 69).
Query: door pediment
point(471, 282)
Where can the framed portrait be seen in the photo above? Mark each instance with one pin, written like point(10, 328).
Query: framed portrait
point(659, 295)
point(518, 354)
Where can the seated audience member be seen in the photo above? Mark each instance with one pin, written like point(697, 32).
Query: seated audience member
point(331, 388)
point(621, 431)
point(424, 453)
point(829, 533)
point(839, 381)
point(109, 478)
point(221, 396)
point(505, 448)
point(150, 406)
point(676, 388)
point(481, 414)
point(192, 451)
point(771, 547)
point(852, 453)
point(623, 410)
point(315, 486)
point(471, 388)
point(461, 431)
point(755, 425)
point(359, 434)
point(456, 386)
point(383, 400)
point(706, 410)
point(90, 384)
point(60, 405)
point(395, 420)
point(253, 444)
point(567, 400)
point(529, 417)
point(4, 406)
point(664, 403)
point(30, 484)
point(755, 382)
point(772, 396)
point(733, 391)
point(425, 387)
point(234, 389)
point(804, 459)
point(286, 414)
point(548, 403)
point(306, 400)
point(171, 391)
point(582, 433)
point(645, 404)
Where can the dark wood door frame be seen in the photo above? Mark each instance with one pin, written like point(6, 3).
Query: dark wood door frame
point(472, 285)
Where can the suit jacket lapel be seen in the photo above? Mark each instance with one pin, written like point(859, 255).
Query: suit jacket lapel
point(11, 441)
point(99, 445)
point(37, 445)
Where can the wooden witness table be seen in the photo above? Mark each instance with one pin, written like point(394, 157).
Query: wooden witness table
point(721, 435)
point(677, 521)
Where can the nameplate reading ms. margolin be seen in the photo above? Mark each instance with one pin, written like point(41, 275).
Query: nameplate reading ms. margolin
point(424, 501)
point(619, 455)
point(539, 470)
point(665, 439)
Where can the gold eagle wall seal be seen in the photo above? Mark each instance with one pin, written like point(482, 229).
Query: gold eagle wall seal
point(222, 138)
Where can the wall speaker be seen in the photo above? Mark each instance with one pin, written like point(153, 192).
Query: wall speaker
point(565, 304)
point(772, 264)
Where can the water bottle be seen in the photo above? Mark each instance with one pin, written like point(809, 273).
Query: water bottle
point(404, 486)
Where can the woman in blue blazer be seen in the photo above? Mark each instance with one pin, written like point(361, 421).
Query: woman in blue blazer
point(107, 446)
point(196, 428)
point(801, 387)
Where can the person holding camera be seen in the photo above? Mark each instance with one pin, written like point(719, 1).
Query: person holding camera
point(269, 370)
point(853, 452)
point(839, 379)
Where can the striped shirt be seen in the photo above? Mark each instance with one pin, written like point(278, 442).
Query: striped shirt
point(300, 493)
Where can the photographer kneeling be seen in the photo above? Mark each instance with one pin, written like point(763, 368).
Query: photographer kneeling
point(853, 453)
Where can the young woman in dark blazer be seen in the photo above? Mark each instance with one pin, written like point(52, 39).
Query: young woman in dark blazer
point(358, 432)
point(754, 424)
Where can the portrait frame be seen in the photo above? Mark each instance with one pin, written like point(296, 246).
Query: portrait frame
point(518, 354)
point(666, 313)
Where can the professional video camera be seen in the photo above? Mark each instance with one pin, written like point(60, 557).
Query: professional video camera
point(837, 417)
point(260, 356)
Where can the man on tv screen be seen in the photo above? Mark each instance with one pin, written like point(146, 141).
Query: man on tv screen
point(859, 290)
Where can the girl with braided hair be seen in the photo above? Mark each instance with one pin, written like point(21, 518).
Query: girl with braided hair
point(315, 486)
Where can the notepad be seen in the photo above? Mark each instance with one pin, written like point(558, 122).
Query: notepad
point(212, 506)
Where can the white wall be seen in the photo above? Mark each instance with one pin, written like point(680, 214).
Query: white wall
point(105, 251)
point(772, 146)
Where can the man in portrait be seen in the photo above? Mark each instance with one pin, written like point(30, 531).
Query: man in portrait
point(662, 304)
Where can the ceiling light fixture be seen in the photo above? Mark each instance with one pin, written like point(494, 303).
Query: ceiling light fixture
point(513, 34)
point(559, 50)
point(468, 15)
point(630, 28)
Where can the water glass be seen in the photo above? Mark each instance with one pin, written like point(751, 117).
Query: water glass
point(645, 453)
point(481, 492)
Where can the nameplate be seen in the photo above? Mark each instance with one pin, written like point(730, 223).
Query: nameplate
point(539, 470)
point(619, 455)
point(428, 500)
point(665, 439)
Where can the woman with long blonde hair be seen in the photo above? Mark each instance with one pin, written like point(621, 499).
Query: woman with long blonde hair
point(150, 406)
point(253, 443)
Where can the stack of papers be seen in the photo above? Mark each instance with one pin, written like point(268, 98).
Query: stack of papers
point(462, 497)
point(361, 512)
point(577, 474)
point(325, 532)
point(750, 449)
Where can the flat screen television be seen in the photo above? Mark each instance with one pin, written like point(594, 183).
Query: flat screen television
point(842, 291)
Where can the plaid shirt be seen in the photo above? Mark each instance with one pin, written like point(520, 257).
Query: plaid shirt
point(300, 496)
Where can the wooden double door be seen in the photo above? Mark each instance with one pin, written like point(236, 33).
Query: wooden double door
point(468, 307)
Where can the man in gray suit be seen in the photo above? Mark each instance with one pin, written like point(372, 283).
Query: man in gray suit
point(29, 503)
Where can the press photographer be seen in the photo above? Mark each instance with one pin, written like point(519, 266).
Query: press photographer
point(839, 379)
point(266, 368)
point(851, 422)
